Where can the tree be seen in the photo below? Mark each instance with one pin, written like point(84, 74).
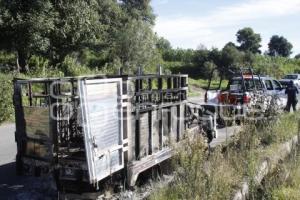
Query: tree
point(107, 29)
point(125, 34)
point(201, 56)
point(135, 45)
point(139, 10)
point(297, 56)
point(163, 44)
point(249, 41)
point(279, 46)
point(77, 26)
point(231, 56)
point(216, 56)
point(25, 27)
point(230, 44)
point(49, 28)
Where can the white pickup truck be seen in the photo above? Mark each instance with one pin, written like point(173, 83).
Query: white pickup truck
point(233, 95)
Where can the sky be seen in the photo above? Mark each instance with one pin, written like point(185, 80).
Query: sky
point(213, 23)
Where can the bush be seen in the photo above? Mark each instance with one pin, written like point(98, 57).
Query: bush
point(6, 100)
point(7, 61)
point(70, 67)
point(283, 182)
point(198, 175)
point(276, 66)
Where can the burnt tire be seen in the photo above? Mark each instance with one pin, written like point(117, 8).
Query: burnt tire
point(210, 136)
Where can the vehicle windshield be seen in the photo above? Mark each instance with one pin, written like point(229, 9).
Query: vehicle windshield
point(291, 76)
point(237, 83)
point(284, 83)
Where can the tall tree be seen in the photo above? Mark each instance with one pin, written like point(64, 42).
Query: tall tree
point(76, 27)
point(57, 28)
point(139, 10)
point(231, 56)
point(25, 27)
point(163, 44)
point(135, 45)
point(51, 28)
point(216, 56)
point(230, 44)
point(249, 40)
point(279, 46)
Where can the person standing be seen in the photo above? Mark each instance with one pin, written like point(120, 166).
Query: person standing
point(291, 92)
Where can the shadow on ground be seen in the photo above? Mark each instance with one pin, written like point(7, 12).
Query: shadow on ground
point(23, 187)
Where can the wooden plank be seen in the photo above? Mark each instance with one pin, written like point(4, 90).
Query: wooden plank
point(166, 126)
point(144, 134)
point(174, 124)
point(155, 131)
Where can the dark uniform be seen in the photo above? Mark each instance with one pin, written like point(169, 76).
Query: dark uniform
point(291, 92)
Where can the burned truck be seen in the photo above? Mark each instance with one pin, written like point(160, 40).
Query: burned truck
point(86, 129)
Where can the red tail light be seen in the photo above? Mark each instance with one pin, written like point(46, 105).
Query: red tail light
point(246, 98)
point(223, 97)
point(232, 99)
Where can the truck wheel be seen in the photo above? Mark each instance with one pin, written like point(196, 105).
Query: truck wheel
point(210, 136)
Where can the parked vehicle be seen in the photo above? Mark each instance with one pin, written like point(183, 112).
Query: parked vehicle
point(244, 93)
point(264, 84)
point(291, 77)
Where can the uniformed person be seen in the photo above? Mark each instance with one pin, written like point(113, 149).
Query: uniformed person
point(291, 92)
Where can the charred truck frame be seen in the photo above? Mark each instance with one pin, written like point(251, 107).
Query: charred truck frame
point(86, 129)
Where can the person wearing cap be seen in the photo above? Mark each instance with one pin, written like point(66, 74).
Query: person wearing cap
point(291, 92)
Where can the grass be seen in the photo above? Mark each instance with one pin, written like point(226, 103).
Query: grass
point(284, 182)
point(200, 175)
point(201, 83)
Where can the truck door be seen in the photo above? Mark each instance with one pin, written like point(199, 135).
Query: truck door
point(269, 87)
point(280, 92)
point(101, 113)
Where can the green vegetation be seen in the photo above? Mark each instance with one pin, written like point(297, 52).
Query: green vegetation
point(201, 83)
point(276, 66)
point(6, 104)
point(279, 46)
point(39, 68)
point(249, 40)
point(283, 183)
point(200, 175)
point(118, 32)
point(263, 64)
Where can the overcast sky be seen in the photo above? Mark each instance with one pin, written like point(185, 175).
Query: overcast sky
point(213, 23)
